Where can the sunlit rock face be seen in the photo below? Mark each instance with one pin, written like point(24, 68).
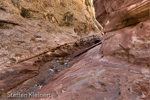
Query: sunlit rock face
point(31, 27)
point(77, 13)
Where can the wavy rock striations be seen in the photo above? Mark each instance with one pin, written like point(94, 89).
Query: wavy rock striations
point(118, 14)
point(35, 32)
point(113, 67)
point(119, 68)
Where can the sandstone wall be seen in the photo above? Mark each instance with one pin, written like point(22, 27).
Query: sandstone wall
point(119, 68)
point(118, 14)
point(77, 13)
point(116, 69)
point(34, 32)
point(29, 28)
point(126, 24)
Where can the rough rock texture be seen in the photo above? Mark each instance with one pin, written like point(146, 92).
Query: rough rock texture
point(119, 68)
point(131, 43)
point(117, 14)
point(31, 27)
point(127, 27)
point(32, 74)
point(94, 77)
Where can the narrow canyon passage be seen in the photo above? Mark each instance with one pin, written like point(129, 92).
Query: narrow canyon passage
point(36, 38)
point(56, 50)
point(47, 66)
point(94, 77)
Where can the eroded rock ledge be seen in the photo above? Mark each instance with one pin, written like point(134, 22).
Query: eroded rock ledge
point(94, 77)
point(113, 70)
point(31, 27)
point(36, 70)
point(119, 68)
point(34, 34)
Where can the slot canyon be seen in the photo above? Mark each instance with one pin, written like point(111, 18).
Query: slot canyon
point(74, 50)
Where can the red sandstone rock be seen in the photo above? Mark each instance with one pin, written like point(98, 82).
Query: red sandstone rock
point(117, 14)
point(93, 77)
point(29, 28)
point(30, 75)
point(16, 75)
point(131, 43)
point(118, 69)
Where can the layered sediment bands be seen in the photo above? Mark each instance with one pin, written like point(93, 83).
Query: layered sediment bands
point(30, 75)
point(96, 77)
point(29, 28)
point(113, 67)
point(117, 69)
point(131, 43)
point(118, 14)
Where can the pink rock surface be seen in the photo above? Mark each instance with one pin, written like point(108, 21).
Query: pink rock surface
point(93, 77)
point(119, 68)
point(117, 14)
point(24, 77)
point(131, 43)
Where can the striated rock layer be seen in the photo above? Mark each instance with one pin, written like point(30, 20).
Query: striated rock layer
point(29, 28)
point(117, 69)
point(112, 71)
point(131, 43)
point(35, 32)
point(127, 29)
point(30, 75)
point(117, 14)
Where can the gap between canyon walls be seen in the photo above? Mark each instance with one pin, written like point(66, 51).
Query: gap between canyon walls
point(118, 69)
point(112, 67)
